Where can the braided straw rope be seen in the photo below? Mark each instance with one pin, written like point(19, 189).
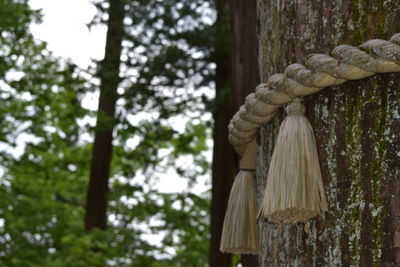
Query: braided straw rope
point(320, 71)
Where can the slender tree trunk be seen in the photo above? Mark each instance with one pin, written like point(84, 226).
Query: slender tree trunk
point(357, 130)
point(245, 66)
point(96, 203)
point(223, 167)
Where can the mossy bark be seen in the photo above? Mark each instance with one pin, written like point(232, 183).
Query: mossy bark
point(357, 128)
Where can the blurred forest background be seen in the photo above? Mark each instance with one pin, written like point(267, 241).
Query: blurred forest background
point(85, 194)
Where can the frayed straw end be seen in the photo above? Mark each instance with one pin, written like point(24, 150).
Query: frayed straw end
point(294, 190)
point(240, 233)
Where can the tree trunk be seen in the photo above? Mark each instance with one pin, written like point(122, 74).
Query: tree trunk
point(233, 83)
point(244, 49)
point(245, 71)
point(96, 202)
point(223, 167)
point(357, 128)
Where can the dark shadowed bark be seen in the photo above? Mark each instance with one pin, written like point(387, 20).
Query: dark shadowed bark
point(244, 49)
point(244, 63)
point(237, 75)
point(357, 128)
point(223, 167)
point(96, 203)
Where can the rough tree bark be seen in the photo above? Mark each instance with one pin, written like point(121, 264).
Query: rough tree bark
point(243, 18)
point(357, 128)
point(96, 202)
point(223, 167)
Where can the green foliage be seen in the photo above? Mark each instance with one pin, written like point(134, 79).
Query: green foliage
point(167, 58)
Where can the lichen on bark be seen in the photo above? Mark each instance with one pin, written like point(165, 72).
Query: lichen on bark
point(357, 129)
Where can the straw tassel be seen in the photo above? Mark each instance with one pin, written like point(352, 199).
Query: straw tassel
point(294, 190)
point(240, 233)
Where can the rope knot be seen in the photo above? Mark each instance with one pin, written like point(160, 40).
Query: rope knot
point(295, 107)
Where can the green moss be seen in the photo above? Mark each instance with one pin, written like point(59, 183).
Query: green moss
point(370, 18)
point(320, 242)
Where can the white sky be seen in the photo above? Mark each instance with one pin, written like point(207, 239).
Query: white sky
point(64, 30)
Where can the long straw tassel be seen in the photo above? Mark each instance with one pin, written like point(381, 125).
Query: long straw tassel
point(294, 190)
point(240, 233)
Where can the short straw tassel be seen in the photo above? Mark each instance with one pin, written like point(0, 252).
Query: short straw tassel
point(294, 190)
point(239, 233)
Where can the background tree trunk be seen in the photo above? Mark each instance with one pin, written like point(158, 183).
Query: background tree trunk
point(245, 68)
point(96, 203)
point(244, 49)
point(357, 128)
point(223, 166)
point(237, 76)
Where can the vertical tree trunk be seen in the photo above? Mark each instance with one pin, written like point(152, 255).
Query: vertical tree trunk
point(245, 68)
point(96, 203)
point(234, 81)
point(357, 128)
point(244, 49)
point(223, 167)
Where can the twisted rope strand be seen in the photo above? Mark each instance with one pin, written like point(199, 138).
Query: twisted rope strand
point(320, 71)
